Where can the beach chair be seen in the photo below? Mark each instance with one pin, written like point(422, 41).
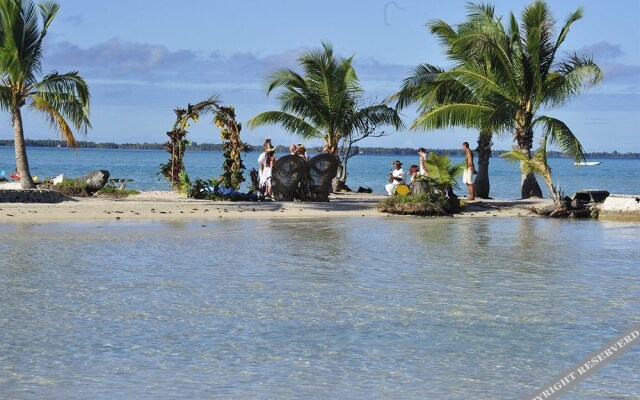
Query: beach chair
point(286, 176)
point(118, 183)
point(321, 171)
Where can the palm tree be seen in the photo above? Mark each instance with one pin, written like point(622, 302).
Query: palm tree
point(538, 162)
point(507, 74)
point(323, 102)
point(445, 101)
point(443, 174)
point(62, 98)
point(429, 87)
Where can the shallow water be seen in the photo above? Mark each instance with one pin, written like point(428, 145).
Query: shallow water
point(349, 308)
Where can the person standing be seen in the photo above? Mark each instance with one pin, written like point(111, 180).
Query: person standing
point(396, 177)
point(302, 151)
point(263, 156)
point(267, 171)
point(422, 153)
point(467, 177)
point(292, 149)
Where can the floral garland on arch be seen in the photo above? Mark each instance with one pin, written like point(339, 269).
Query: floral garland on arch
point(225, 118)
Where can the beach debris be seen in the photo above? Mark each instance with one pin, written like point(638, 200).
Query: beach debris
point(58, 179)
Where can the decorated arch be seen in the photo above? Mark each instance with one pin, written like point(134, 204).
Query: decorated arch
point(224, 118)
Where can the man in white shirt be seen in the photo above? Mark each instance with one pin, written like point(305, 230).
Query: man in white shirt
point(396, 177)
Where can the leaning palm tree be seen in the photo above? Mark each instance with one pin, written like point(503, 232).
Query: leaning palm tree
point(510, 73)
point(322, 102)
point(537, 163)
point(62, 98)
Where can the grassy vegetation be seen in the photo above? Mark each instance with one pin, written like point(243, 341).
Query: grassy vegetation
point(109, 191)
point(422, 205)
point(74, 188)
point(69, 187)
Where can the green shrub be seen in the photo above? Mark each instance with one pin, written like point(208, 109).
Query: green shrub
point(426, 204)
point(110, 191)
point(71, 187)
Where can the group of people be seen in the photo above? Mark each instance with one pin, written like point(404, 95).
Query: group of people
point(15, 176)
point(397, 175)
point(267, 160)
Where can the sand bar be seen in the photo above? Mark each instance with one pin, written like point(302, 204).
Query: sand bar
point(163, 205)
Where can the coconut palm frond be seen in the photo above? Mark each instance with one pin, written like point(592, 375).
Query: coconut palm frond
point(48, 11)
point(557, 132)
point(21, 51)
point(6, 97)
point(573, 17)
point(376, 115)
point(451, 115)
point(56, 119)
point(416, 86)
point(442, 172)
point(289, 122)
point(527, 165)
point(571, 77)
point(68, 94)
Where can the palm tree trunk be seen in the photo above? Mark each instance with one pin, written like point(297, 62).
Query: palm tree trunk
point(22, 163)
point(481, 184)
point(530, 187)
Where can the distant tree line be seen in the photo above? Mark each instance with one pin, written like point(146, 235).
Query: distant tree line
point(193, 146)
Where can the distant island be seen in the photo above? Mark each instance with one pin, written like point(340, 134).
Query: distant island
point(193, 146)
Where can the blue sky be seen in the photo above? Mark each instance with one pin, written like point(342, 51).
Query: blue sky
point(144, 58)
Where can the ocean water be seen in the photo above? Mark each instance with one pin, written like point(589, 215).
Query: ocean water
point(614, 175)
point(354, 308)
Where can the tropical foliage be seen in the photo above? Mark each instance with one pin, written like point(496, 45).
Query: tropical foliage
point(426, 204)
point(322, 102)
point(538, 162)
point(232, 146)
point(437, 198)
point(174, 170)
point(503, 76)
point(443, 174)
point(62, 98)
point(225, 119)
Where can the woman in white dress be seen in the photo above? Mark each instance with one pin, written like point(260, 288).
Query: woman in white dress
point(265, 176)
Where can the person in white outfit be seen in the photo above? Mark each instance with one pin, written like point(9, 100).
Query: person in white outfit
point(467, 177)
point(396, 177)
point(267, 170)
point(422, 153)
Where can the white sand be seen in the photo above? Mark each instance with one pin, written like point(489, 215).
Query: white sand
point(151, 205)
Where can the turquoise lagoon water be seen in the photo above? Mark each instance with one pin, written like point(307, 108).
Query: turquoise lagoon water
point(355, 308)
point(614, 175)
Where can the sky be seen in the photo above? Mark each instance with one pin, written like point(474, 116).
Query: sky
point(143, 58)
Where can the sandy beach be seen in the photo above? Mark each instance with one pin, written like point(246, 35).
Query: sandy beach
point(163, 205)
